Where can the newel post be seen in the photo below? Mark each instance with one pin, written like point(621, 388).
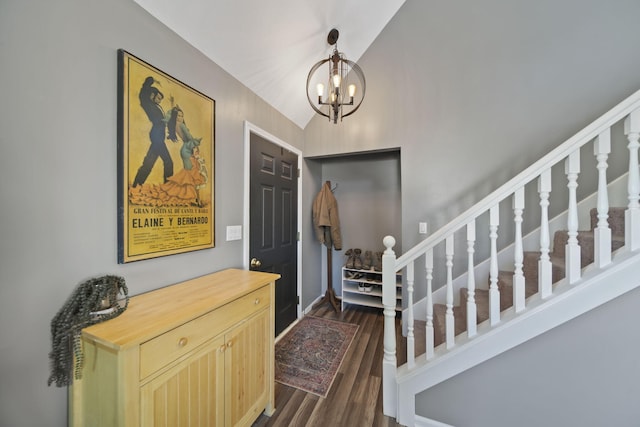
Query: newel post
point(389, 362)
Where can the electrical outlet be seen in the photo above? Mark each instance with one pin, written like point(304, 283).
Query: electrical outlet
point(422, 228)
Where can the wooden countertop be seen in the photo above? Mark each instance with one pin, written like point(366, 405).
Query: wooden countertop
point(163, 309)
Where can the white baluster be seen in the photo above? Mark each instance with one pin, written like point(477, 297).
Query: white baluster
point(518, 275)
point(572, 248)
point(472, 327)
point(428, 262)
point(632, 214)
point(494, 293)
point(389, 362)
point(450, 320)
point(602, 233)
point(544, 263)
point(411, 359)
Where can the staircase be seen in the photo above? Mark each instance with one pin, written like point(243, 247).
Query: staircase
point(586, 240)
point(529, 285)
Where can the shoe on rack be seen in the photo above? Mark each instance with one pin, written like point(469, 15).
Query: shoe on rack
point(365, 287)
point(357, 261)
point(377, 266)
point(366, 264)
point(349, 254)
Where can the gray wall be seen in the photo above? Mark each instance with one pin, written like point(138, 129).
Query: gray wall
point(583, 373)
point(474, 92)
point(312, 268)
point(58, 174)
point(367, 189)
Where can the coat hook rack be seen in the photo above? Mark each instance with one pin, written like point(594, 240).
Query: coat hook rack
point(330, 295)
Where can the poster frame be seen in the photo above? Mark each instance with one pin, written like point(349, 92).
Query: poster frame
point(158, 214)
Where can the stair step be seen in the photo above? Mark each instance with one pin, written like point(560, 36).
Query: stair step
point(530, 267)
point(615, 220)
point(439, 322)
point(586, 241)
point(482, 302)
point(505, 285)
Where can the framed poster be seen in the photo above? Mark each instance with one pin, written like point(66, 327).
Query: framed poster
point(166, 154)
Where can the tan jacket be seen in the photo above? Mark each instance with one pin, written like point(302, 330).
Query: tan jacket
point(326, 222)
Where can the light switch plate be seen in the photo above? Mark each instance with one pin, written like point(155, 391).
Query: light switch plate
point(422, 228)
point(234, 232)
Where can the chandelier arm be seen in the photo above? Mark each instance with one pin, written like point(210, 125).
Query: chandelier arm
point(356, 68)
point(311, 72)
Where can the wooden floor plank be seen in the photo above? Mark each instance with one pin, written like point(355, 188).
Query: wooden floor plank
point(355, 398)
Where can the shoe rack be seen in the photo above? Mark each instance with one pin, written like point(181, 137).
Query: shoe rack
point(364, 287)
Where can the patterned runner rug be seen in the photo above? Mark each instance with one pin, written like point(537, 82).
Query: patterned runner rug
point(309, 355)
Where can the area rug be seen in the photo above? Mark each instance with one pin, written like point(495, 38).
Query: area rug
point(309, 355)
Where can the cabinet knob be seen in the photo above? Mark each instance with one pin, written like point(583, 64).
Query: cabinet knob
point(257, 301)
point(230, 344)
point(182, 342)
point(222, 348)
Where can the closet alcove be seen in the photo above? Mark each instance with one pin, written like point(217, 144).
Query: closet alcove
point(367, 187)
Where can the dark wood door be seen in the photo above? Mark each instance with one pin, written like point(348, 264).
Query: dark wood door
point(273, 221)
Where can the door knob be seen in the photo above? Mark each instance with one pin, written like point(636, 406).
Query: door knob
point(255, 263)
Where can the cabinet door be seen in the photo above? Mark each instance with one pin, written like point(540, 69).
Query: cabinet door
point(248, 370)
point(190, 393)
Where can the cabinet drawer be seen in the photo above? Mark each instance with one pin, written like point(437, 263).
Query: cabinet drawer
point(162, 350)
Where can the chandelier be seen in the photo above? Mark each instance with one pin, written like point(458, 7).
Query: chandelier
point(342, 78)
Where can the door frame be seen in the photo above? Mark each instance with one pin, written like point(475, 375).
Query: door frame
point(250, 128)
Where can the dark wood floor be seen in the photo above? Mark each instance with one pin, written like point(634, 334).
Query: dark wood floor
point(355, 398)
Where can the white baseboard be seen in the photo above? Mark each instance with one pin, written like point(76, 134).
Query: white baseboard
point(310, 306)
point(287, 329)
point(304, 313)
point(426, 422)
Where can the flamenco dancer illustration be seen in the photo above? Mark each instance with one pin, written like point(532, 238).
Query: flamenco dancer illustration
point(183, 187)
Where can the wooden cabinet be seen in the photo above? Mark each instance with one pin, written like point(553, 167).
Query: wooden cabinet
point(364, 287)
point(190, 393)
point(199, 353)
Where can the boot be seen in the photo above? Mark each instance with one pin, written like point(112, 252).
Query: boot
point(366, 264)
point(349, 255)
point(357, 261)
point(378, 262)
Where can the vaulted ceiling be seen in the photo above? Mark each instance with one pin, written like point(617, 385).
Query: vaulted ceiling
point(269, 46)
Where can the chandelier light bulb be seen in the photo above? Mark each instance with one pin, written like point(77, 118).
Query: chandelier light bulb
point(336, 80)
point(352, 90)
point(320, 89)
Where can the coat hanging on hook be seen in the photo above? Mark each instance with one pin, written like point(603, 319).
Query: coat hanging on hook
point(326, 220)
